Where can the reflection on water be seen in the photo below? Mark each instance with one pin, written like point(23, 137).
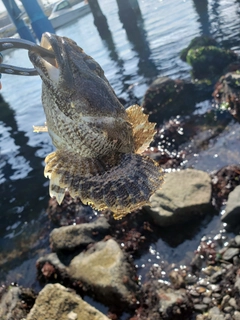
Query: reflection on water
point(202, 10)
point(134, 53)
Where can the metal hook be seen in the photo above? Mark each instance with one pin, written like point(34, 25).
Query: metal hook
point(11, 43)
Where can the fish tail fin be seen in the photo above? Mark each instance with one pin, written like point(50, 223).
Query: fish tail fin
point(122, 183)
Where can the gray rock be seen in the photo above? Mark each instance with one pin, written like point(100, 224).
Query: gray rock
point(214, 287)
point(230, 253)
point(215, 314)
point(200, 307)
point(207, 300)
point(236, 315)
point(70, 237)
point(170, 299)
point(104, 270)
point(9, 303)
point(225, 300)
point(228, 309)
point(14, 303)
point(214, 311)
point(183, 194)
point(236, 261)
point(217, 317)
point(237, 283)
point(56, 302)
point(232, 211)
point(217, 276)
point(233, 303)
point(237, 240)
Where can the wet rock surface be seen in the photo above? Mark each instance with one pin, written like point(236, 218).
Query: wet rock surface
point(16, 302)
point(167, 97)
point(96, 258)
point(183, 195)
point(73, 236)
point(207, 59)
point(104, 269)
point(56, 302)
point(232, 211)
point(227, 92)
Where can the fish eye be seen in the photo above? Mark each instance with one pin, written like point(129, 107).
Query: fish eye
point(92, 66)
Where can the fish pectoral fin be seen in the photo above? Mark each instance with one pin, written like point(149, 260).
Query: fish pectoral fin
point(112, 183)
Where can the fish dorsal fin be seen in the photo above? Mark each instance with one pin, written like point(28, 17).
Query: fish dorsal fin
point(143, 130)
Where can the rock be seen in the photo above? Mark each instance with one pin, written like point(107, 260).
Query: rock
point(200, 307)
point(236, 315)
point(218, 317)
point(15, 303)
point(237, 282)
point(166, 98)
point(233, 303)
point(197, 42)
point(232, 211)
point(184, 195)
point(197, 262)
point(172, 302)
point(176, 279)
point(214, 311)
point(207, 300)
point(225, 300)
point(56, 302)
point(209, 61)
point(217, 276)
point(237, 240)
point(70, 237)
point(228, 309)
point(50, 267)
point(215, 314)
point(103, 269)
point(230, 253)
point(227, 93)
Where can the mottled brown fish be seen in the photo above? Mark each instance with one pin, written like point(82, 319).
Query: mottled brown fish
point(98, 142)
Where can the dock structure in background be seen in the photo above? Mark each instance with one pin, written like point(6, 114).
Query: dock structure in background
point(39, 21)
point(100, 20)
point(15, 14)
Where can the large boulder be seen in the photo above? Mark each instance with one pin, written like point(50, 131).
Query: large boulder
point(56, 302)
point(103, 269)
point(71, 237)
point(184, 195)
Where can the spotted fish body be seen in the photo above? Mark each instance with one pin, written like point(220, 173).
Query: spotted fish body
point(98, 143)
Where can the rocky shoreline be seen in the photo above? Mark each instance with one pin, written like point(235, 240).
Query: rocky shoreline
point(95, 257)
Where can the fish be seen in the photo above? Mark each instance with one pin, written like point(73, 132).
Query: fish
point(99, 143)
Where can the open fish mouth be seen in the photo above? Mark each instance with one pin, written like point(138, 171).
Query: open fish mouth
point(56, 68)
point(47, 66)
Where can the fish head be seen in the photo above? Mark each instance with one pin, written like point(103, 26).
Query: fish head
point(73, 80)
